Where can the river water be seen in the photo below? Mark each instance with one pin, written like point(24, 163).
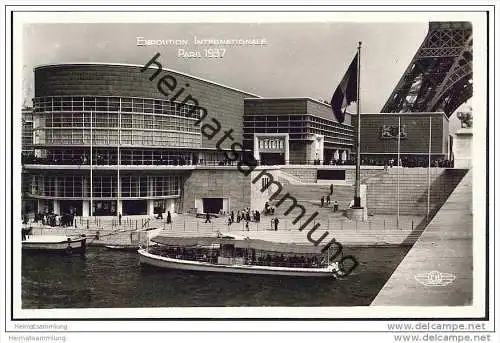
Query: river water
point(111, 279)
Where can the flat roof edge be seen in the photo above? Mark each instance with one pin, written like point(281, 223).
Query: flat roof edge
point(292, 98)
point(42, 66)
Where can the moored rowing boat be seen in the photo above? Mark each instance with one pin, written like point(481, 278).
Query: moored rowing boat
point(54, 243)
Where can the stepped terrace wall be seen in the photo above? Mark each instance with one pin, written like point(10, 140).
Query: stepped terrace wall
point(382, 191)
point(350, 174)
point(308, 174)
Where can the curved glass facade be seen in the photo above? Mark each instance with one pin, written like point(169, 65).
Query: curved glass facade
point(141, 130)
point(115, 120)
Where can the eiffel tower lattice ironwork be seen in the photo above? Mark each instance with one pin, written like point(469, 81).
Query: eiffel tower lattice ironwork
point(439, 78)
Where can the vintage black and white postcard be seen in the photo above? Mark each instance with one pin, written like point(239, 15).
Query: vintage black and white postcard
point(321, 165)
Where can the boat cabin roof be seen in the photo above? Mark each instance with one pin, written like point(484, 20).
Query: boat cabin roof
point(258, 244)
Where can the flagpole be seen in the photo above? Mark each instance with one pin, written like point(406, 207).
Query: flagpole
point(118, 161)
point(399, 154)
point(357, 196)
point(91, 176)
point(429, 171)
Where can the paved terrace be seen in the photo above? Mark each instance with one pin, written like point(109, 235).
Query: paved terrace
point(379, 230)
point(444, 246)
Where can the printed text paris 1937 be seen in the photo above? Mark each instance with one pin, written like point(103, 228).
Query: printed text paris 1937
point(204, 47)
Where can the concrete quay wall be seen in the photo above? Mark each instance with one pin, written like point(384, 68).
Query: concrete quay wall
point(445, 247)
point(413, 183)
point(101, 236)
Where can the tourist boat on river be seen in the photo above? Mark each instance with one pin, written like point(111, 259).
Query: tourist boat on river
point(53, 243)
point(242, 256)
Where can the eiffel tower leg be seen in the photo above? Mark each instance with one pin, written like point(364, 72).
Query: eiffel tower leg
point(439, 77)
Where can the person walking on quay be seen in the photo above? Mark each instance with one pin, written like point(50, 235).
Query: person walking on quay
point(119, 218)
point(276, 222)
point(335, 206)
point(328, 200)
point(331, 189)
point(169, 218)
point(207, 218)
point(247, 227)
point(322, 201)
point(232, 216)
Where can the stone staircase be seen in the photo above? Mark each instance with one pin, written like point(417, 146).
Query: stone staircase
point(309, 195)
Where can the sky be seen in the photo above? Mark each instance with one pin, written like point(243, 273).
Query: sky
point(299, 59)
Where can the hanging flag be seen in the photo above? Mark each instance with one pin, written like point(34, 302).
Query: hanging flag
point(346, 91)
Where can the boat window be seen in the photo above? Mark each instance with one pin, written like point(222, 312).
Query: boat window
point(227, 250)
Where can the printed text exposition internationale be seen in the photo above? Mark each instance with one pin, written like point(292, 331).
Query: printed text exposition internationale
point(142, 41)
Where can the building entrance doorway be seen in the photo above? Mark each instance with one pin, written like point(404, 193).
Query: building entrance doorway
point(30, 206)
point(104, 208)
point(71, 207)
point(271, 158)
point(212, 205)
point(135, 207)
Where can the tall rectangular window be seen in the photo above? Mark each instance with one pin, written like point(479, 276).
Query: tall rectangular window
point(114, 104)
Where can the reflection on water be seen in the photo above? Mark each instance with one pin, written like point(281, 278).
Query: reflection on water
point(106, 278)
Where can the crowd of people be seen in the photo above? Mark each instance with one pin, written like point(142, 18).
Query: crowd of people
point(245, 215)
point(293, 261)
point(406, 161)
point(52, 219)
point(410, 162)
point(111, 159)
point(104, 159)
